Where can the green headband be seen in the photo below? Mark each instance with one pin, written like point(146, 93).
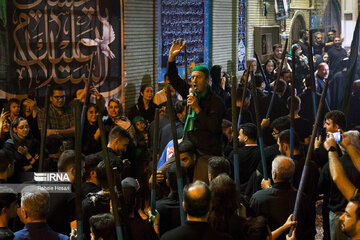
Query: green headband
point(138, 119)
point(203, 69)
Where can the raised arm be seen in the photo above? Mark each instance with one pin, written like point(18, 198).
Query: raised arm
point(354, 155)
point(179, 84)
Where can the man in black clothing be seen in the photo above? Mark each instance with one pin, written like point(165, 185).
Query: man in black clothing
point(350, 220)
point(318, 44)
point(276, 203)
point(249, 155)
point(336, 54)
point(91, 184)
point(54, 147)
point(275, 55)
point(330, 41)
point(209, 110)
point(196, 203)
point(307, 105)
point(218, 165)
point(8, 210)
point(246, 115)
point(34, 211)
point(168, 207)
point(119, 139)
point(302, 42)
point(302, 127)
point(337, 85)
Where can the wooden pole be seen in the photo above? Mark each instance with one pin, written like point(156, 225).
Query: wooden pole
point(44, 129)
point(110, 179)
point(312, 76)
point(87, 97)
point(122, 52)
point(277, 79)
point(185, 65)
point(154, 162)
point(292, 110)
point(259, 132)
point(309, 154)
point(235, 131)
point(242, 99)
point(177, 154)
point(261, 69)
point(78, 168)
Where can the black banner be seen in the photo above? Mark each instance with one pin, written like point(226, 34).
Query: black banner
point(49, 42)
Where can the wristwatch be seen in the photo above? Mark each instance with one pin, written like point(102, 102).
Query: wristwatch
point(332, 149)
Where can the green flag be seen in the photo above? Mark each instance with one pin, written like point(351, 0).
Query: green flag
point(350, 73)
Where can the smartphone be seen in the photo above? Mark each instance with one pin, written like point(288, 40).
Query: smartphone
point(337, 136)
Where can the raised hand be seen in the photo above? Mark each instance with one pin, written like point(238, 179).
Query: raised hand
point(176, 48)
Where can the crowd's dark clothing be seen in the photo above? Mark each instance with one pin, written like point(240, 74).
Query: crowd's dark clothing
point(278, 109)
point(50, 164)
point(94, 204)
point(353, 119)
point(194, 231)
point(305, 48)
point(6, 234)
point(139, 110)
point(140, 229)
point(206, 135)
point(90, 145)
point(335, 57)
point(306, 110)
point(20, 160)
point(115, 160)
point(62, 211)
point(162, 123)
point(4, 137)
point(165, 134)
point(303, 128)
point(276, 204)
point(234, 228)
point(336, 88)
point(271, 77)
point(319, 83)
point(328, 47)
point(249, 158)
point(246, 115)
point(33, 124)
point(318, 48)
point(38, 230)
point(89, 187)
point(301, 70)
point(337, 202)
point(169, 210)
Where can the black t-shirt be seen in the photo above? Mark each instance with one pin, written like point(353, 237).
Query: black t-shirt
point(303, 128)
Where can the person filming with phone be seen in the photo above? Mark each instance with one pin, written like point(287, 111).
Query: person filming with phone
point(344, 175)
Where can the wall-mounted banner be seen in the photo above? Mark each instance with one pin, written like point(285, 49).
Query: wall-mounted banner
point(188, 20)
point(51, 41)
point(242, 36)
point(282, 8)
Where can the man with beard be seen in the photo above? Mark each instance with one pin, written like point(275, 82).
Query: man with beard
point(318, 44)
point(302, 42)
point(336, 54)
point(350, 220)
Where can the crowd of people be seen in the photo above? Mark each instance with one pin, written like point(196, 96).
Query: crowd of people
point(216, 207)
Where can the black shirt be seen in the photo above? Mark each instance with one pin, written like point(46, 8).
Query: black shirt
point(194, 231)
point(169, 210)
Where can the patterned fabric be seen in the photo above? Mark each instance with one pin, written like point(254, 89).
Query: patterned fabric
point(56, 120)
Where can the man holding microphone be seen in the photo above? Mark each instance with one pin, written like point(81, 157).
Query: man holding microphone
point(203, 126)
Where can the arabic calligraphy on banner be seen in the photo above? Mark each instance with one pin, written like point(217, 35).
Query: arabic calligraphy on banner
point(50, 41)
point(183, 19)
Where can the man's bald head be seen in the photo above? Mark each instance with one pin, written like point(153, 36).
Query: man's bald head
point(283, 168)
point(197, 198)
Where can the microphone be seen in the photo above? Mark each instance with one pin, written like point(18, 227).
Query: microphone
point(191, 93)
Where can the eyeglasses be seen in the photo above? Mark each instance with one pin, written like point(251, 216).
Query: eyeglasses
point(59, 97)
